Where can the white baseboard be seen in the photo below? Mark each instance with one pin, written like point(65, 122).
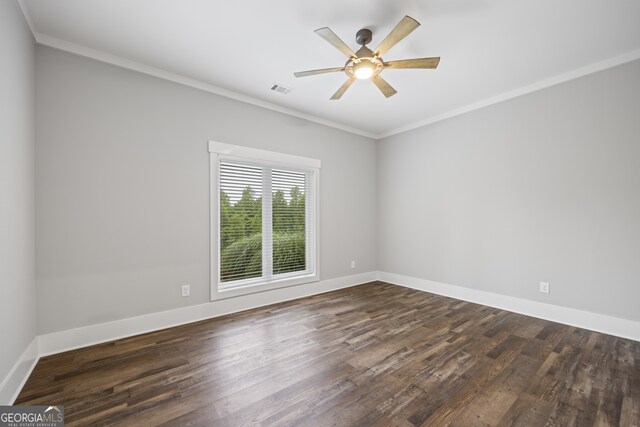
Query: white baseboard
point(569, 316)
point(58, 342)
point(17, 377)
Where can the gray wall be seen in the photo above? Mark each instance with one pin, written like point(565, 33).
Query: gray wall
point(544, 187)
point(17, 284)
point(541, 187)
point(123, 189)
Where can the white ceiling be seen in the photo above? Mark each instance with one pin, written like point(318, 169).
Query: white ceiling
point(490, 49)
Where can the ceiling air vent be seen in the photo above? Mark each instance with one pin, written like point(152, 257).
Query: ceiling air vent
point(280, 89)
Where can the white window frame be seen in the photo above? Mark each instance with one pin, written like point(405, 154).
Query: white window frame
point(219, 151)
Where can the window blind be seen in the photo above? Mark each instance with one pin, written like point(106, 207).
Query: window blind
point(240, 222)
point(266, 223)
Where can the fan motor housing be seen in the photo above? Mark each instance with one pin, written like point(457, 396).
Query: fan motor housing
point(364, 55)
point(364, 36)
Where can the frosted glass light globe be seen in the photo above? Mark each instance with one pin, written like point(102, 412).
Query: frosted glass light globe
point(363, 70)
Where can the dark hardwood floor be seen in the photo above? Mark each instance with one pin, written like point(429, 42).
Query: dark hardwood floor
point(371, 355)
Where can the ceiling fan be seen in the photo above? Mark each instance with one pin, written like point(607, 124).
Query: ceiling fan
point(367, 63)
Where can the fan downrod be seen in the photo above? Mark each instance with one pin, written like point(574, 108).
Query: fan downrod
point(364, 36)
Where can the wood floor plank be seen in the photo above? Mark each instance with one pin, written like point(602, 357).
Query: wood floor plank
point(371, 355)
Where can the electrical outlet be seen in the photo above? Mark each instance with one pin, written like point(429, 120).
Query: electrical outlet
point(353, 264)
point(544, 287)
point(186, 290)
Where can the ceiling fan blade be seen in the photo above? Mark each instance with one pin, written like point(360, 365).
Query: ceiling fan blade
point(384, 87)
point(402, 30)
point(342, 89)
point(332, 38)
point(314, 72)
point(413, 63)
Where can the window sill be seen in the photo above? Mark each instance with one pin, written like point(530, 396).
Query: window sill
point(219, 294)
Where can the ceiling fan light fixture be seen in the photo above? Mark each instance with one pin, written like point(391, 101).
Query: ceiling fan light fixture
point(366, 63)
point(363, 70)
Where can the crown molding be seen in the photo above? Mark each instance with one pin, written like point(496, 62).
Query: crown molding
point(56, 43)
point(98, 55)
point(27, 18)
point(118, 61)
point(542, 84)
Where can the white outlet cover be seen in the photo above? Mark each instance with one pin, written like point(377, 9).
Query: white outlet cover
point(186, 290)
point(353, 264)
point(544, 287)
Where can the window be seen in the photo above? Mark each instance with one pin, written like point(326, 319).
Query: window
point(263, 220)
